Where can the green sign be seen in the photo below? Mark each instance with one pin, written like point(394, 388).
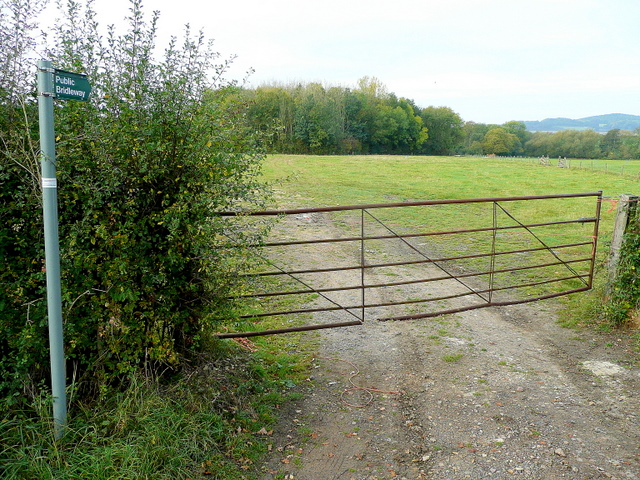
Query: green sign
point(71, 86)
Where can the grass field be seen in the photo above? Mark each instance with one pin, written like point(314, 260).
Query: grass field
point(349, 180)
point(310, 181)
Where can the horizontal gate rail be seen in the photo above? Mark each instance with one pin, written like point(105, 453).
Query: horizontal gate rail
point(412, 302)
point(410, 282)
point(339, 208)
point(416, 262)
point(427, 234)
point(480, 284)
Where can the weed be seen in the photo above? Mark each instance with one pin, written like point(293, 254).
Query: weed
point(305, 431)
point(452, 357)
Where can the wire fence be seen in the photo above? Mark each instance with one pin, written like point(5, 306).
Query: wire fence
point(625, 168)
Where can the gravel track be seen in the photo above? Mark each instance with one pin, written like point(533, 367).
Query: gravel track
point(495, 393)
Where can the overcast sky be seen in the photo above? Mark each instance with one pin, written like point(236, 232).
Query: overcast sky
point(491, 61)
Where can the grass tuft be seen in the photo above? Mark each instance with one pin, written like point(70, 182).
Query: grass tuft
point(203, 425)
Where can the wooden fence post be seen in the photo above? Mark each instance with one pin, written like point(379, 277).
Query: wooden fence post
point(627, 205)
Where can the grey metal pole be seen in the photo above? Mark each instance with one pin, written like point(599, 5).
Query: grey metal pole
point(51, 244)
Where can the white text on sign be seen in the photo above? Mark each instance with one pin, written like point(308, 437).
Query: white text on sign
point(65, 80)
point(70, 91)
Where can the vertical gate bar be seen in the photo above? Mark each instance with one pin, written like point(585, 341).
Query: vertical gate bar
point(492, 263)
point(362, 261)
point(596, 226)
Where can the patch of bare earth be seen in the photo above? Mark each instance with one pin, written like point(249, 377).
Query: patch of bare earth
point(500, 393)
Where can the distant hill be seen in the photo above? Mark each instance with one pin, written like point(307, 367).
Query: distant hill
point(599, 123)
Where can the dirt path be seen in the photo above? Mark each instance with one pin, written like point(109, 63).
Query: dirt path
point(487, 394)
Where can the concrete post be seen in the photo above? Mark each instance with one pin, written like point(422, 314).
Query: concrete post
point(627, 205)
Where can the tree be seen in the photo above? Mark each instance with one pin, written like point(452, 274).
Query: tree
point(498, 141)
point(319, 118)
point(387, 124)
point(355, 128)
point(445, 129)
point(312, 118)
point(630, 144)
point(373, 88)
point(519, 129)
point(22, 312)
point(270, 111)
point(586, 144)
point(473, 136)
point(611, 143)
point(538, 144)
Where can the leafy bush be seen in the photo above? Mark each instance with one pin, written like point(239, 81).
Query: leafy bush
point(625, 289)
point(142, 169)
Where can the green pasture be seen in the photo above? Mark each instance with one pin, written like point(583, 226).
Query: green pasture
point(366, 179)
point(308, 181)
point(315, 181)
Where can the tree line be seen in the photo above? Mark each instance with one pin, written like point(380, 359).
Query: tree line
point(313, 118)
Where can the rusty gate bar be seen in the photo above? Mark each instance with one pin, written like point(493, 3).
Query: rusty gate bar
point(418, 235)
point(492, 263)
point(476, 307)
point(585, 278)
point(294, 211)
point(410, 282)
point(415, 262)
point(362, 261)
point(410, 302)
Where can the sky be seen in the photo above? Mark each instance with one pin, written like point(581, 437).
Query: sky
point(491, 61)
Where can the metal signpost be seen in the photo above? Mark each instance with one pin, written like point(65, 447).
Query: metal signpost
point(53, 83)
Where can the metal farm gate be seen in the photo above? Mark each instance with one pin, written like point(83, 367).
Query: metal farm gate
point(344, 265)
